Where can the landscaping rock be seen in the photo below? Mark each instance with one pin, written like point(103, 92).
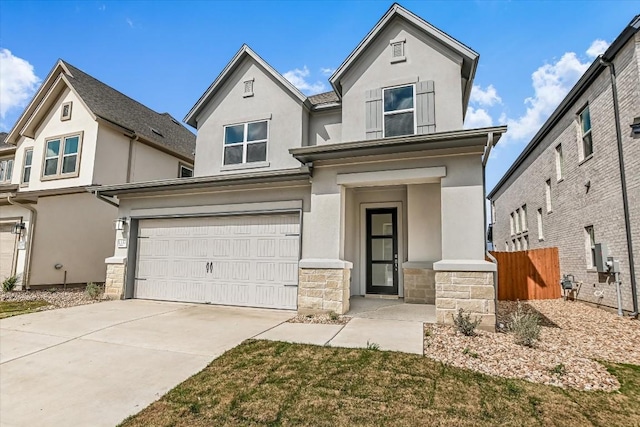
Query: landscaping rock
point(56, 298)
point(323, 319)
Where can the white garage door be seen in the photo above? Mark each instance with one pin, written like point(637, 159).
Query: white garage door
point(236, 260)
point(7, 250)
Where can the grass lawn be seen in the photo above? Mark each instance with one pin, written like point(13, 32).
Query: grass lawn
point(13, 308)
point(273, 383)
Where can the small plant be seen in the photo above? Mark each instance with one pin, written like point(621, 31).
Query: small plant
point(9, 283)
point(92, 290)
point(373, 346)
point(333, 316)
point(559, 369)
point(525, 327)
point(470, 353)
point(52, 290)
point(465, 325)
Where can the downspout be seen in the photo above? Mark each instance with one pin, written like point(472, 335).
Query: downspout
point(623, 183)
point(485, 159)
point(31, 234)
point(132, 140)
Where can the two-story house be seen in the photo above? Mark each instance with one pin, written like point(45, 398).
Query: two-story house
point(300, 202)
point(77, 132)
point(577, 183)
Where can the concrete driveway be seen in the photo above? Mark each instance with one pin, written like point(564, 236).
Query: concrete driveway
point(96, 364)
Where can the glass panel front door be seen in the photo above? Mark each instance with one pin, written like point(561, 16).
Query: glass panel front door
point(382, 251)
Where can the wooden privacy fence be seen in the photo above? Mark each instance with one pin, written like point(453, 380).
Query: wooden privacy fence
point(527, 275)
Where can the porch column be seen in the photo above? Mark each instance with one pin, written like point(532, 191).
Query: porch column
point(464, 280)
point(424, 242)
point(324, 278)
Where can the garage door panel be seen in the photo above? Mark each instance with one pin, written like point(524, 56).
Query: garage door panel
point(243, 260)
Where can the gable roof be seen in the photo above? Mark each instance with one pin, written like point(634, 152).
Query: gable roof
point(112, 106)
point(245, 51)
point(567, 103)
point(469, 56)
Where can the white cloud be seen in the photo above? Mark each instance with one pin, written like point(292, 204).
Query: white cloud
point(18, 82)
point(551, 82)
point(327, 71)
point(486, 97)
point(130, 22)
point(102, 7)
point(597, 47)
point(298, 77)
point(477, 118)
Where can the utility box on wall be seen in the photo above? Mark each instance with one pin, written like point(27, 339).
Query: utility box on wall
point(602, 253)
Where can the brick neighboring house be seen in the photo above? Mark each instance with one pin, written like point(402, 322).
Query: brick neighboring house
point(567, 189)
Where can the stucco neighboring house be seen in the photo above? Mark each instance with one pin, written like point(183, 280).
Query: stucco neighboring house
point(77, 132)
point(577, 183)
point(301, 202)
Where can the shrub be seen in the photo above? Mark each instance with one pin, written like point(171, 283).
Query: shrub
point(93, 290)
point(559, 369)
point(470, 353)
point(373, 346)
point(9, 283)
point(465, 325)
point(333, 316)
point(525, 327)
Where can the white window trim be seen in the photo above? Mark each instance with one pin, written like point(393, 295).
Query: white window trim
point(583, 155)
point(182, 166)
point(244, 143)
point(394, 112)
point(559, 162)
point(540, 226)
point(547, 195)
point(5, 173)
point(523, 219)
point(61, 156)
point(64, 117)
point(24, 183)
point(589, 246)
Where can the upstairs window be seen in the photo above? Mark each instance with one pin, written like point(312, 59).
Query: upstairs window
point(246, 143)
point(523, 218)
point(585, 133)
point(590, 244)
point(6, 170)
point(28, 160)
point(540, 229)
point(559, 163)
point(61, 157)
point(547, 194)
point(399, 111)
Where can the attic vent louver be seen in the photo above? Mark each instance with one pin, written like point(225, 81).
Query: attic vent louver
point(156, 131)
point(397, 50)
point(248, 88)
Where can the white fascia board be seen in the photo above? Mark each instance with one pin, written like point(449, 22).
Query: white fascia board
point(392, 177)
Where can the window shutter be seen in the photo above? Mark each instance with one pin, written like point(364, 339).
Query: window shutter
point(425, 106)
point(373, 113)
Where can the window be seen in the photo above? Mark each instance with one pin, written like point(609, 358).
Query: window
point(590, 243)
point(61, 156)
point(493, 212)
point(585, 132)
point(65, 111)
point(547, 194)
point(399, 111)
point(185, 171)
point(512, 224)
point(245, 143)
point(6, 170)
point(559, 163)
point(517, 219)
point(540, 233)
point(28, 159)
point(523, 218)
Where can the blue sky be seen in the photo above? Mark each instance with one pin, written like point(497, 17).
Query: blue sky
point(165, 54)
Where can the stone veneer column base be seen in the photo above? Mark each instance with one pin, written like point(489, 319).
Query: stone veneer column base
point(419, 285)
point(472, 291)
point(322, 290)
point(116, 276)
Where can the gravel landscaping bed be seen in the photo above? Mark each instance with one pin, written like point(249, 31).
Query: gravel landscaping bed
point(56, 299)
point(324, 319)
point(573, 337)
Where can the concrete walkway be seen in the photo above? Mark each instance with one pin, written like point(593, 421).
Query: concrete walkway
point(94, 365)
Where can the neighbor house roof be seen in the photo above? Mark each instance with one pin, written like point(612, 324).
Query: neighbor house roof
point(567, 103)
point(469, 56)
point(4, 146)
point(111, 106)
point(324, 99)
point(244, 52)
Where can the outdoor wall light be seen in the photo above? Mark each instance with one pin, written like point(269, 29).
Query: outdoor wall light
point(120, 223)
point(18, 228)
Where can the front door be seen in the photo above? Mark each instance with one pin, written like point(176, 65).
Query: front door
point(382, 251)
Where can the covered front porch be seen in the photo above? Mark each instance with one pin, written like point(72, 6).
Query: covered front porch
point(397, 226)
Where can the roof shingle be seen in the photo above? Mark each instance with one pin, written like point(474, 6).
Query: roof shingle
point(324, 98)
